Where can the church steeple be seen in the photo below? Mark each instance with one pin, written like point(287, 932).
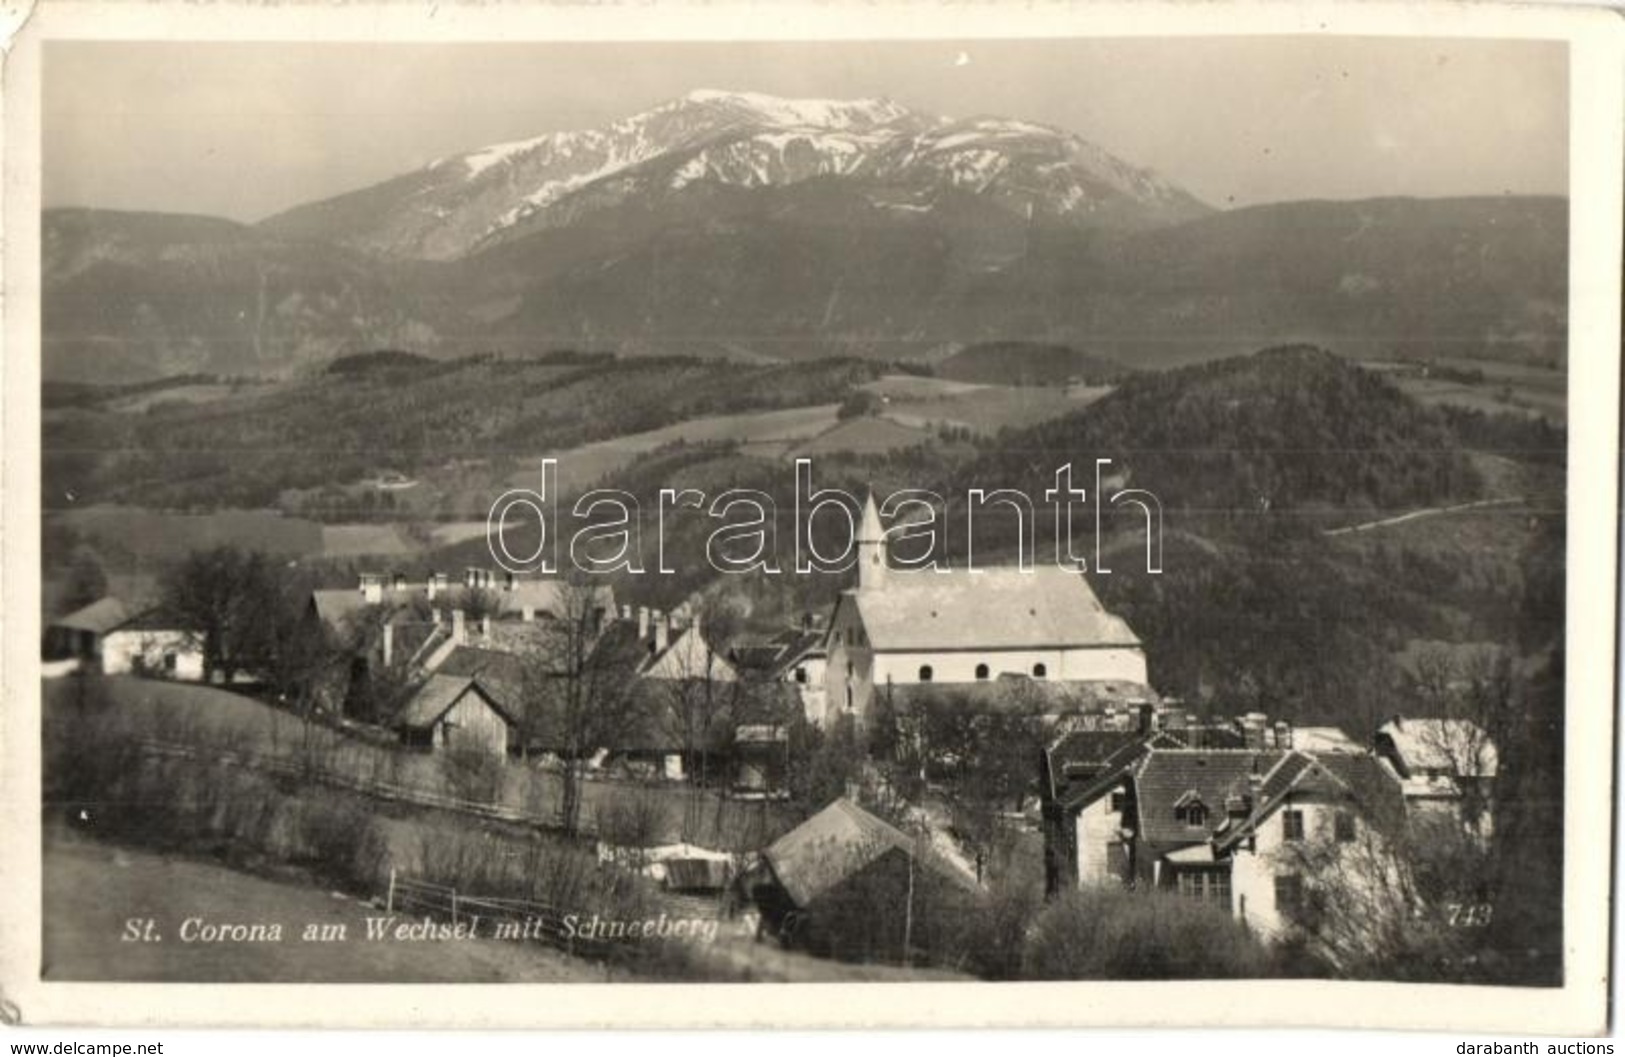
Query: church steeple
point(871, 543)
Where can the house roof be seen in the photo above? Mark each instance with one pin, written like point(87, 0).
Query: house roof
point(1363, 781)
point(987, 609)
point(100, 616)
point(155, 618)
point(500, 674)
point(772, 657)
point(689, 656)
point(437, 696)
point(1450, 745)
point(1166, 775)
point(1324, 740)
point(830, 847)
point(334, 604)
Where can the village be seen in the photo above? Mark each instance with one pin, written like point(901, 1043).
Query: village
point(850, 740)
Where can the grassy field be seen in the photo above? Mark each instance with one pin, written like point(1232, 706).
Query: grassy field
point(863, 436)
point(93, 889)
point(1507, 388)
point(157, 536)
point(988, 409)
point(210, 718)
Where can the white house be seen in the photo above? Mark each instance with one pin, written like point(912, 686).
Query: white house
point(1247, 830)
point(153, 642)
point(1444, 764)
point(902, 627)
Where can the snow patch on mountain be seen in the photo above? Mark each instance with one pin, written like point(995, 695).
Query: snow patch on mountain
point(820, 113)
point(481, 160)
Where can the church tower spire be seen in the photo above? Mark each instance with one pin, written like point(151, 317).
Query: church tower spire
point(871, 543)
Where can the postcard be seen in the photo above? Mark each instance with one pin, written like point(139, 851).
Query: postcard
point(1063, 515)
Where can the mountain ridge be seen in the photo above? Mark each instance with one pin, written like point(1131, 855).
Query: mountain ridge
point(459, 204)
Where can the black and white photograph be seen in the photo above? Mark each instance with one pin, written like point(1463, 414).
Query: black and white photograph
point(883, 510)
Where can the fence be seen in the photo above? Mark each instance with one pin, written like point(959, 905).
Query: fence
point(292, 767)
point(497, 918)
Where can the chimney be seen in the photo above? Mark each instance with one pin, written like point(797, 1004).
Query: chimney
point(485, 628)
point(643, 623)
point(662, 631)
point(1238, 805)
point(459, 630)
point(1283, 734)
point(437, 584)
point(389, 644)
point(372, 588)
point(400, 582)
point(512, 581)
point(527, 613)
point(1146, 713)
point(434, 615)
point(1253, 725)
point(626, 611)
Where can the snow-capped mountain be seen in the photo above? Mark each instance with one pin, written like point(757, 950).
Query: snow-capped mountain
point(461, 204)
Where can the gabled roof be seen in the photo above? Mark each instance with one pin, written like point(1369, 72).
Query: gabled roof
point(500, 674)
point(155, 618)
point(774, 653)
point(1165, 775)
point(689, 656)
point(1424, 744)
point(1114, 771)
point(833, 845)
point(101, 616)
point(1369, 788)
point(991, 609)
point(437, 696)
point(335, 604)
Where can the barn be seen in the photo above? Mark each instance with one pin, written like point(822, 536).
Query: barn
point(455, 713)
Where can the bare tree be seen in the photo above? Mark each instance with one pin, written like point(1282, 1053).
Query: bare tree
point(1472, 703)
point(699, 699)
point(1402, 902)
point(576, 689)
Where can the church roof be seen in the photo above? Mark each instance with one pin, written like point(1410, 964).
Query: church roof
point(987, 609)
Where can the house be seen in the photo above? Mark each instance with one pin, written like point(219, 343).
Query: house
point(453, 713)
point(796, 657)
point(79, 634)
point(1444, 765)
point(967, 626)
point(115, 638)
point(154, 642)
point(1228, 813)
point(839, 857)
point(392, 622)
point(1084, 782)
point(481, 593)
point(1233, 827)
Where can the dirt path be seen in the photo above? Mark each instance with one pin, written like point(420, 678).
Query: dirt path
point(1426, 512)
point(92, 892)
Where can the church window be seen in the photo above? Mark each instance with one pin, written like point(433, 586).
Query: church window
point(981, 671)
point(925, 673)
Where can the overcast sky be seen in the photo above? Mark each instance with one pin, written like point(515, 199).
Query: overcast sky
point(246, 130)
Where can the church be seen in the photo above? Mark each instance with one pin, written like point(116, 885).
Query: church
point(968, 628)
